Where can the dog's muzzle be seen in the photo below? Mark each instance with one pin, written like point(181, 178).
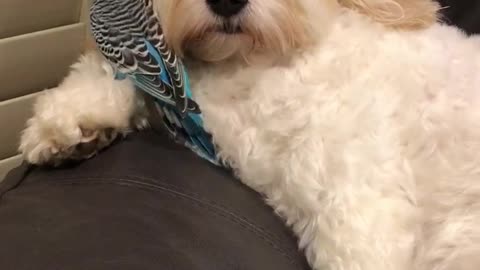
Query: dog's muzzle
point(226, 8)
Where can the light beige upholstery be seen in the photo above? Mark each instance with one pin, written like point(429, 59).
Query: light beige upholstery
point(26, 16)
point(38, 60)
point(39, 40)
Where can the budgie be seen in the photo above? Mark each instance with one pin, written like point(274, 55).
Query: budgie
point(130, 37)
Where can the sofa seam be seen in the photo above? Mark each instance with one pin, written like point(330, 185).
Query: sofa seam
point(200, 202)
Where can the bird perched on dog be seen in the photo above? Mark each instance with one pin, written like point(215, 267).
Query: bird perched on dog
point(361, 132)
point(129, 35)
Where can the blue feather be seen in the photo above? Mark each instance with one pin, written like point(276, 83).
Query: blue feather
point(131, 39)
point(154, 52)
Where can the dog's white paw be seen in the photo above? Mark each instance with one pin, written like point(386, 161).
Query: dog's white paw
point(44, 143)
point(70, 126)
point(83, 115)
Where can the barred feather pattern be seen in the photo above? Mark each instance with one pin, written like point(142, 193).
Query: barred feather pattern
point(130, 37)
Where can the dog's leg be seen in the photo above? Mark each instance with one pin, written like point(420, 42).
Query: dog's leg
point(356, 231)
point(84, 114)
point(347, 216)
point(348, 211)
point(352, 239)
point(343, 220)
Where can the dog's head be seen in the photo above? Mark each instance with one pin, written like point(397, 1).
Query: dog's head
point(218, 29)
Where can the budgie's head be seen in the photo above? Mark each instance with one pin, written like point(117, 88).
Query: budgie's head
point(218, 29)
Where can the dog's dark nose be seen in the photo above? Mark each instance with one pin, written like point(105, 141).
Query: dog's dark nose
point(226, 8)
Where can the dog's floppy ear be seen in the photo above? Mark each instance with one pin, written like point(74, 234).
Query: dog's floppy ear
point(407, 14)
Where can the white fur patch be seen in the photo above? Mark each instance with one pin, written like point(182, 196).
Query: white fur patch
point(366, 141)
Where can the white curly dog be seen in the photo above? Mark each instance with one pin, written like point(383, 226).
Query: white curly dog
point(359, 120)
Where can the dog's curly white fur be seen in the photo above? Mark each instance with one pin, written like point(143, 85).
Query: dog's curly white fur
point(364, 137)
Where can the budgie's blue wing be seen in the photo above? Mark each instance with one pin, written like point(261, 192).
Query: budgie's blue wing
point(129, 35)
point(201, 144)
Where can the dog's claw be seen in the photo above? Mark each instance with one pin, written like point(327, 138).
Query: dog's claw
point(54, 151)
point(88, 135)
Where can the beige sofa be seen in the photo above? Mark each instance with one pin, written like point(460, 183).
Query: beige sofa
point(39, 40)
